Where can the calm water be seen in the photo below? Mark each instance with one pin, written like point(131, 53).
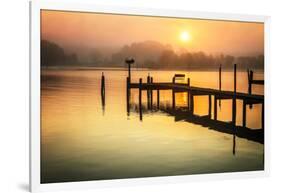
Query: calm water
point(82, 141)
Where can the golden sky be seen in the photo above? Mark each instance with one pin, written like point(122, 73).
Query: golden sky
point(108, 30)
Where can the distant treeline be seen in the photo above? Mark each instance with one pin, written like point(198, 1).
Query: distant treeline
point(148, 54)
point(201, 60)
point(54, 55)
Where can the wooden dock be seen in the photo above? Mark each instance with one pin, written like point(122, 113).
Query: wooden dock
point(181, 87)
point(192, 91)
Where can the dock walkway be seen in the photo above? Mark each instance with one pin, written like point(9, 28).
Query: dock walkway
point(215, 95)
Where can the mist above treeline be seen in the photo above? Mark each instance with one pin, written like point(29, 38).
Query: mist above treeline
point(147, 54)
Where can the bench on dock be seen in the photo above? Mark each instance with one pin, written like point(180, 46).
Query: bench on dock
point(178, 77)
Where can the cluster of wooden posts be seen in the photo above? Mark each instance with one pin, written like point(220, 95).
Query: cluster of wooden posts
point(217, 94)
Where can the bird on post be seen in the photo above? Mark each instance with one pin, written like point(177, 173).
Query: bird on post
point(129, 61)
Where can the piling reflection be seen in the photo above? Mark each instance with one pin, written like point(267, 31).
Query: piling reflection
point(234, 144)
point(183, 114)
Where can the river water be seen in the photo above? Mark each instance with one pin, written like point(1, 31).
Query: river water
point(83, 140)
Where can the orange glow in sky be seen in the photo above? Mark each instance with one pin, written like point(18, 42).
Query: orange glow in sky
point(108, 30)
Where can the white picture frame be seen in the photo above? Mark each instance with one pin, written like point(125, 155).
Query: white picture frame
point(36, 6)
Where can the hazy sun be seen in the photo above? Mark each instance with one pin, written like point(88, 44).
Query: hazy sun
point(184, 36)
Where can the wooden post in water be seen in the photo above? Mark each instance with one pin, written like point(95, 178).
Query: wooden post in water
point(173, 94)
point(188, 94)
point(158, 98)
point(244, 114)
point(190, 98)
point(250, 79)
point(103, 91)
point(129, 71)
point(191, 103)
point(234, 98)
point(147, 91)
point(262, 115)
point(128, 95)
point(215, 107)
point(220, 84)
point(235, 77)
point(129, 62)
point(102, 84)
point(128, 83)
point(140, 97)
point(151, 93)
point(210, 106)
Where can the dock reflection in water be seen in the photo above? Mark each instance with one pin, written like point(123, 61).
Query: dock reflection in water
point(79, 142)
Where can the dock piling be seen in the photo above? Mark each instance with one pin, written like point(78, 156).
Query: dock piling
point(158, 98)
point(215, 107)
point(148, 92)
point(191, 103)
point(174, 95)
point(140, 97)
point(128, 95)
point(244, 114)
point(220, 84)
point(262, 116)
point(210, 106)
point(235, 77)
point(234, 98)
point(151, 93)
point(174, 99)
point(129, 62)
point(250, 79)
point(188, 93)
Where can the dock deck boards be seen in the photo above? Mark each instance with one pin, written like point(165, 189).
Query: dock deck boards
point(196, 90)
